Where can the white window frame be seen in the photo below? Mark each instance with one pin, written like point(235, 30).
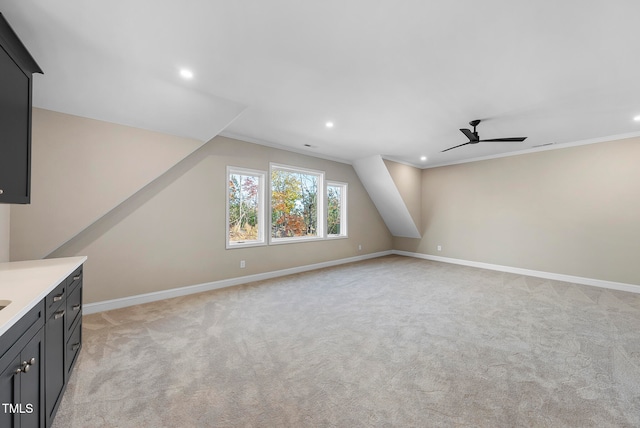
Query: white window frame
point(263, 225)
point(320, 210)
point(343, 209)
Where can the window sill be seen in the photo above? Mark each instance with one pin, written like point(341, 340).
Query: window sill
point(279, 241)
point(337, 237)
point(245, 245)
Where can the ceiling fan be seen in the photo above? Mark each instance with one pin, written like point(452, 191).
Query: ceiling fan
point(474, 138)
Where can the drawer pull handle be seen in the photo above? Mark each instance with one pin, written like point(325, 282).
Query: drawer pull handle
point(75, 278)
point(58, 297)
point(58, 315)
point(75, 347)
point(26, 366)
point(76, 307)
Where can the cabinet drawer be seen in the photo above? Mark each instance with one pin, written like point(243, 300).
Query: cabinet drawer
point(56, 298)
point(74, 279)
point(74, 306)
point(73, 346)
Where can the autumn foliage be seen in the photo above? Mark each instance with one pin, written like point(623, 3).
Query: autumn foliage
point(294, 204)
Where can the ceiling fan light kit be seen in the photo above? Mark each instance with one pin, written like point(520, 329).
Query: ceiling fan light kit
point(474, 138)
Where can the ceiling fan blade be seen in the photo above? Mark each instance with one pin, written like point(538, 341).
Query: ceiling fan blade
point(470, 135)
point(507, 139)
point(455, 147)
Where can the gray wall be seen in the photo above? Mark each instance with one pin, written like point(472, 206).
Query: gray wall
point(80, 169)
point(573, 211)
point(169, 232)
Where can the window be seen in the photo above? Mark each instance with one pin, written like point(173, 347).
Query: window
point(297, 209)
point(245, 207)
point(302, 206)
point(336, 209)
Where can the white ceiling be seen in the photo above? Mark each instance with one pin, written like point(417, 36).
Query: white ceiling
point(398, 78)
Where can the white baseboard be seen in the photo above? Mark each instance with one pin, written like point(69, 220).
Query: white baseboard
point(633, 288)
point(107, 305)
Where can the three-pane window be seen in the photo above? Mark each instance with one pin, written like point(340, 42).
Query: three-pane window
point(301, 206)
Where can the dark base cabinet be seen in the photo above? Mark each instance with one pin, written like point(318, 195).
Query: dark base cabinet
point(37, 355)
point(22, 379)
point(64, 314)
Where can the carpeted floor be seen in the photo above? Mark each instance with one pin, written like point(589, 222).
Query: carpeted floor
point(389, 342)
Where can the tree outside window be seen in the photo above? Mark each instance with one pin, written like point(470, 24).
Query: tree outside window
point(336, 209)
point(296, 203)
point(245, 221)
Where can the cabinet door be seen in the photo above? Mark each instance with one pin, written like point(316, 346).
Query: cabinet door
point(54, 364)
point(22, 386)
point(9, 390)
point(15, 129)
point(32, 383)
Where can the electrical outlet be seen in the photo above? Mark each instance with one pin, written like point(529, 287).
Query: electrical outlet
point(242, 264)
point(439, 247)
point(359, 247)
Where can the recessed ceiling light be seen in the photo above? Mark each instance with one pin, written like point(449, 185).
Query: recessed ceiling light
point(423, 158)
point(329, 124)
point(637, 118)
point(186, 74)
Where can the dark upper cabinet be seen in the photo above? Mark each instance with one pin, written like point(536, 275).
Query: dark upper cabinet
point(16, 70)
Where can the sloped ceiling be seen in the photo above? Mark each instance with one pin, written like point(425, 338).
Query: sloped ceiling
point(384, 193)
point(398, 79)
point(81, 170)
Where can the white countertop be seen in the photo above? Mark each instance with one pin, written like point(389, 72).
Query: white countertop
point(26, 283)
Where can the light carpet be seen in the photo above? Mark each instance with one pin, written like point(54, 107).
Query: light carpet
point(388, 342)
